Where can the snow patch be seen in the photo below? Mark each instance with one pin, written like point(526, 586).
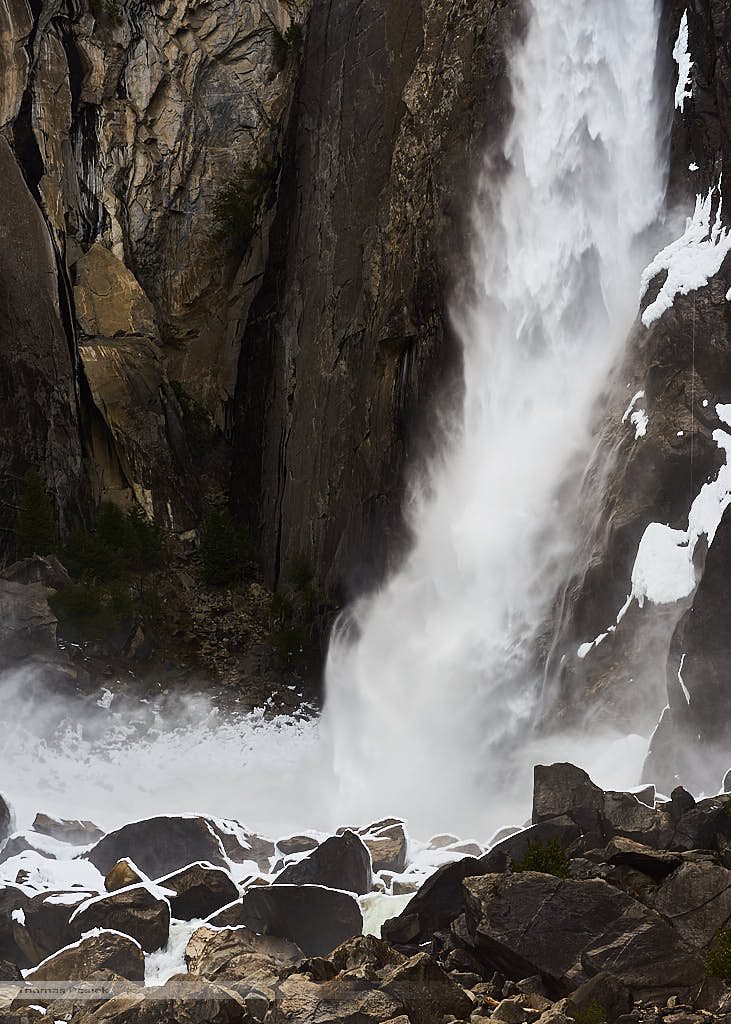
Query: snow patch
point(681, 55)
point(693, 167)
point(691, 260)
point(163, 964)
point(683, 687)
point(637, 417)
point(18, 916)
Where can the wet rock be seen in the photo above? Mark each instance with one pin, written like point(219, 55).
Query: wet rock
point(123, 874)
point(532, 923)
point(201, 890)
point(160, 845)
point(696, 898)
point(312, 917)
point(136, 910)
point(341, 862)
point(77, 833)
point(107, 952)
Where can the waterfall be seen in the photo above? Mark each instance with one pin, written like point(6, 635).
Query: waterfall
point(433, 681)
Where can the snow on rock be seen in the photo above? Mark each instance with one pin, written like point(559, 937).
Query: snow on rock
point(691, 260)
point(637, 417)
point(681, 55)
point(43, 874)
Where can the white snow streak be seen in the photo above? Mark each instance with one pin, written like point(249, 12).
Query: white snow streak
point(691, 260)
point(681, 55)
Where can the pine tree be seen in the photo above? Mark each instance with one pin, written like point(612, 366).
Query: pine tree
point(35, 528)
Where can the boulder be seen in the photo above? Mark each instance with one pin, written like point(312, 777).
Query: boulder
point(341, 862)
point(160, 845)
point(296, 844)
point(345, 999)
point(603, 992)
point(656, 864)
point(27, 624)
point(564, 790)
point(314, 918)
point(681, 801)
point(48, 571)
point(387, 846)
point(625, 815)
point(425, 991)
point(441, 898)
point(137, 911)
point(106, 951)
point(77, 833)
point(200, 890)
point(13, 904)
point(238, 954)
point(696, 898)
point(23, 842)
point(45, 926)
point(567, 930)
point(9, 971)
point(438, 902)
point(123, 874)
point(727, 782)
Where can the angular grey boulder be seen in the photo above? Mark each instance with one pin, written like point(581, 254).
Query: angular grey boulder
point(567, 930)
point(341, 862)
point(160, 845)
point(200, 889)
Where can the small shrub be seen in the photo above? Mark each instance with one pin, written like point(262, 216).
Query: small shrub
point(718, 960)
point(591, 1014)
point(237, 203)
point(293, 645)
point(122, 542)
point(548, 858)
point(200, 429)
point(84, 607)
point(35, 528)
point(224, 547)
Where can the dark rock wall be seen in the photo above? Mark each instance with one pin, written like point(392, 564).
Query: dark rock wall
point(349, 341)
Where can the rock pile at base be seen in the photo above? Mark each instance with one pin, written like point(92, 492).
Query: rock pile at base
point(610, 908)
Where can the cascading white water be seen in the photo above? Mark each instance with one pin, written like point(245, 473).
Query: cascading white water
point(427, 705)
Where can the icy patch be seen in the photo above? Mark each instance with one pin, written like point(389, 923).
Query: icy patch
point(683, 687)
point(637, 417)
point(163, 964)
point(681, 55)
point(586, 649)
point(377, 908)
point(18, 916)
point(691, 260)
point(693, 167)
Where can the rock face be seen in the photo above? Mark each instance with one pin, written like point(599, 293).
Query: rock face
point(355, 345)
point(126, 131)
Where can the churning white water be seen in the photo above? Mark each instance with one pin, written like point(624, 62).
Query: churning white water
point(432, 684)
